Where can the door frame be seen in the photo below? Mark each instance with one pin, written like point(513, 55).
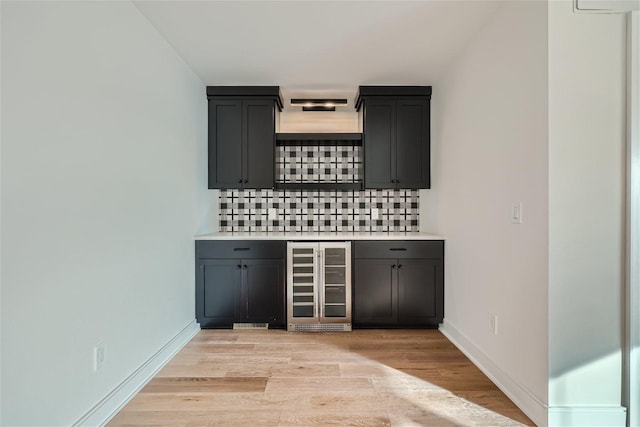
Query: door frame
point(631, 303)
point(631, 392)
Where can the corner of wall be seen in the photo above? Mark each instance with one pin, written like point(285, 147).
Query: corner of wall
point(519, 393)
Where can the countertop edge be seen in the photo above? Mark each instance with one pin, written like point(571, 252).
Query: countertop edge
point(318, 236)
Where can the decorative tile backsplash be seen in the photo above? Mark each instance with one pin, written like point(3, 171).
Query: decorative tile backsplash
point(319, 211)
point(318, 164)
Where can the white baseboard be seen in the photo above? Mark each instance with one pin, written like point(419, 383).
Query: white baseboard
point(587, 416)
point(108, 407)
point(531, 405)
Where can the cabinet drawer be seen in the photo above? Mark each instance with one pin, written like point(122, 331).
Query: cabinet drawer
point(399, 249)
point(245, 249)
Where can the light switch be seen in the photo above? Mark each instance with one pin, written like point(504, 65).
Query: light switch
point(516, 213)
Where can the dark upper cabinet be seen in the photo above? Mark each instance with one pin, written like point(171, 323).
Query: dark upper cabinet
point(398, 284)
point(396, 134)
point(379, 128)
point(242, 127)
point(225, 143)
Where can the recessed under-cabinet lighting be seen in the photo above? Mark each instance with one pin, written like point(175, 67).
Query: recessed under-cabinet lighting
point(318, 104)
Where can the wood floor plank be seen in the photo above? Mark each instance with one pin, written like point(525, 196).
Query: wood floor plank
point(205, 384)
point(318, 384)
point(334, 418)
point(198, 419)
point(194, 370)
point(419, 418)
point(361, 378)
point(211, 401)
point(218, 347)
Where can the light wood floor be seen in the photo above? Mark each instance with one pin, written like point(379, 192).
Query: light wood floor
point(359, 378)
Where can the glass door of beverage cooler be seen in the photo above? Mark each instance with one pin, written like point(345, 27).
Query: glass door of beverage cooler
point(335, 295)
point(319, 286)
point(302, 282)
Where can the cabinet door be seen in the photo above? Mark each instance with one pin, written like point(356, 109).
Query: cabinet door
point(217, 292)
point(259, 134)
point(262, 295)
point(412, 143)
point(375, 292)
point(379, 144)
point(417, 287)
point(225, 143)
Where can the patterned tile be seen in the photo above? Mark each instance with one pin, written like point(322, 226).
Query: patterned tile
point(318, 164)
point(319, 211)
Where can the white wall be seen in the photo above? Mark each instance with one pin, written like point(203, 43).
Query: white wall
point(586, 193)
point(103, 165)
point(491, 139)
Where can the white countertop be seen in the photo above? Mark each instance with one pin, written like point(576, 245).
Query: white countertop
point(316, 236)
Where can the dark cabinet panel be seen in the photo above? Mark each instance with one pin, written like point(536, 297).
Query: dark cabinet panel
point(260, 140)
point(262, 298)
point(242, 136)
point(412, 150)
point(398, 283)
point(396, 134)
point(271, 249)
point(240, 290)
point(225, 143)
point(379, 150)
point(392, 249)
point(217, 284)
point(375, 292)
point(417, 291)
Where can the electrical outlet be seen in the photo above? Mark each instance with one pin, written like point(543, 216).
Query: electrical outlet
point(494, 323)
point(99, 356)
point(516, 213)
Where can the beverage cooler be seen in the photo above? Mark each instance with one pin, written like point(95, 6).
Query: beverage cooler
point(319, 286)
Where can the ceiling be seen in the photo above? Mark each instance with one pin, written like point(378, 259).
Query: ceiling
point(317, 48)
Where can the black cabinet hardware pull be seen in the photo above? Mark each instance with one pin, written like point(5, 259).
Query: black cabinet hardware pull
point(393, 266)
point(241, 249)
point(397, 249)
point(238, 266)
point(240, 181)
point(246, 181)
point(399, 266)
point(244, 267)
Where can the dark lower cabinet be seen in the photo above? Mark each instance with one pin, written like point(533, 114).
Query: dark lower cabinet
point(262, 292)
point(395, 283)
point(398, 284)
point(417, 291)
point(375, 291)
point(232, 290)
point(219, 281)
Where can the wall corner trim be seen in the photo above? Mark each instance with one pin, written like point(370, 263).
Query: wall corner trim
point(587, 416)
point(109, 406)
point(530, 404)
point(606, 6)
